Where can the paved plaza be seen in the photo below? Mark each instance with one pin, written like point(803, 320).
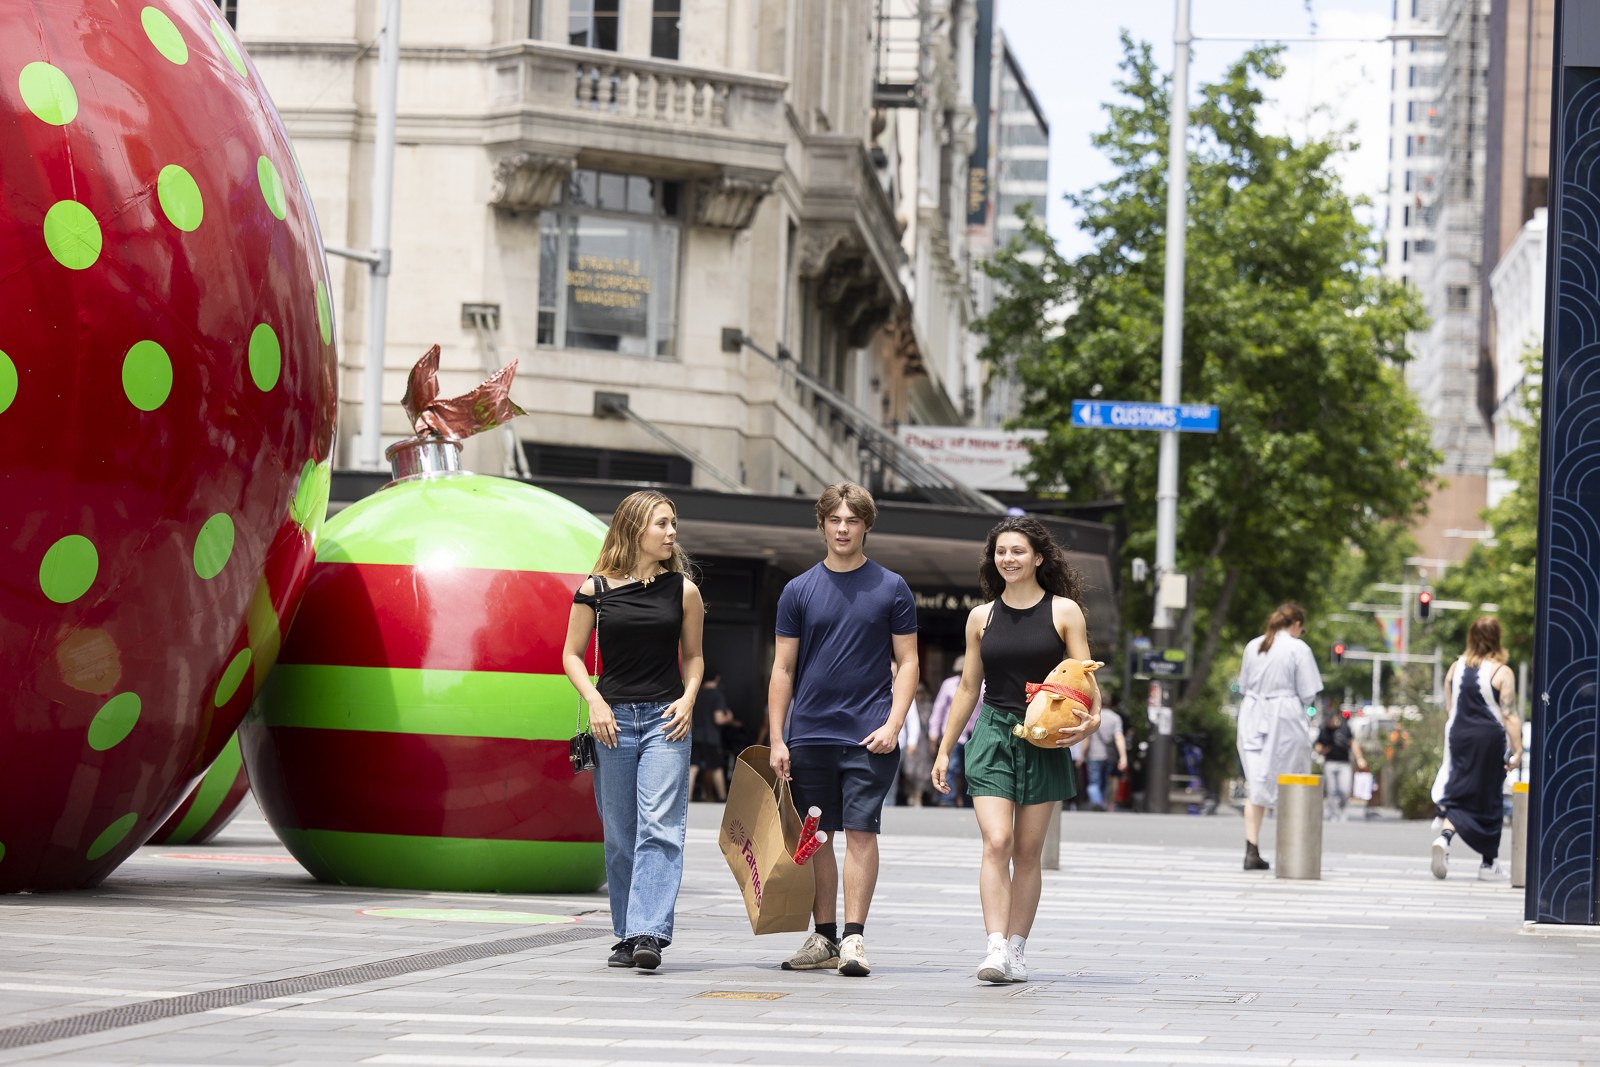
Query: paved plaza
point(1152, 947)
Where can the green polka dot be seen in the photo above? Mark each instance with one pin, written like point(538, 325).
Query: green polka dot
point(213, 545)
point(180, 197)
point(112, 835)
point(324, 316)
point(69, 569)
point(164, 35)
point(2, 850)
point(271, 187)
point(231, 678)
point(147, 375)
point(8, 381)
point(266, 357)
point(72, 234)
point(48, 93)
point(114, 721)
point(225, 43)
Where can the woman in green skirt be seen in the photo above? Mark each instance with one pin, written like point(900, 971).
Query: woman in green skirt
point(1031, 623)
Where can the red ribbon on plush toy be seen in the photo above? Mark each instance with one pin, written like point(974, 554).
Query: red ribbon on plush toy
point(1032, 689)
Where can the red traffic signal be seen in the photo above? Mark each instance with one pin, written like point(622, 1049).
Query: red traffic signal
point(1338, 653)
point(1424, 602)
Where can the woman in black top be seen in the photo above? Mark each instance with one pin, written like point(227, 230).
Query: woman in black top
point(1031, 623)
point(640, 714)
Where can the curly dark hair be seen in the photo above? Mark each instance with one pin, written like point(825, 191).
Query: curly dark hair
point(1055, 573)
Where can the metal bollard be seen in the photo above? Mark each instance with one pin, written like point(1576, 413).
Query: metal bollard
point(1051, 860)
point(1299, 826)
point(1519, 834)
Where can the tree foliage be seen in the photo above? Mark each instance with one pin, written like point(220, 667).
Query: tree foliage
point(1287, 328)
point(1502, 573)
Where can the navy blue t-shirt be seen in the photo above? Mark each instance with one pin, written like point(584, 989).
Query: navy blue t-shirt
point(843, 688)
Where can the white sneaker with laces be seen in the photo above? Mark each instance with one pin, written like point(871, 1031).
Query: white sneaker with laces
point(1016, 962)
point(1441, 856)
point(996, 965)
point(853, 957)
point(1490, 872)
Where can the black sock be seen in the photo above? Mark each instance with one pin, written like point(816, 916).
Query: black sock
point(1448, 836)
point(854, 928)
point(829, 931)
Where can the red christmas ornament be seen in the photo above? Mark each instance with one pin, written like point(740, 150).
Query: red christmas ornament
point(167, 388)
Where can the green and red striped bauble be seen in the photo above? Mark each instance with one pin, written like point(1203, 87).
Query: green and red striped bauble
point(414, 733)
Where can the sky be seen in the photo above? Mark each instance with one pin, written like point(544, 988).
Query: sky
point(1069, 51)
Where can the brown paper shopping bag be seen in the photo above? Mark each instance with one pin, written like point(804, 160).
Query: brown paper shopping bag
point(760, 832)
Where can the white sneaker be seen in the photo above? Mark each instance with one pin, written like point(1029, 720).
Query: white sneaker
point(996, 965)
point(1490, 872)
point(1016, 964)
point(853, 957)
point(1441, 857)
point(1437, 824)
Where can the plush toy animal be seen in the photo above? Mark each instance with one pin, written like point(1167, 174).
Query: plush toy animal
point(1064, 699)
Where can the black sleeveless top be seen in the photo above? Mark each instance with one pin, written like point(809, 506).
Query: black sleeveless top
point(640, 625)
point(1018, 646)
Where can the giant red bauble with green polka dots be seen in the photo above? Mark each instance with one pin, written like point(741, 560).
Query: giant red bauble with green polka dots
point(167, 398)
point(415, 731)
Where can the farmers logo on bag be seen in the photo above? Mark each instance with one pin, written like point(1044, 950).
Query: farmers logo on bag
point(741, 839)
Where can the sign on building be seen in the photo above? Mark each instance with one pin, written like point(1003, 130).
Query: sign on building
point(981, 458)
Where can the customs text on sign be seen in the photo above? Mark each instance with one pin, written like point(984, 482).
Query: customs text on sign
point(1119, 415)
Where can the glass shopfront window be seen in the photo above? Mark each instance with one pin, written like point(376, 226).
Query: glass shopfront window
point(608, 263)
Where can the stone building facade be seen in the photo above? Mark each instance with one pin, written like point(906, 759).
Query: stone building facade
point(604, 189)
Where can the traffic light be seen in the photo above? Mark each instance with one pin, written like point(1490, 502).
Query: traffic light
point(1338, 653)
point(1424, 603)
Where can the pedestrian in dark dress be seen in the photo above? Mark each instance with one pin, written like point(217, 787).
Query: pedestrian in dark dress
point(705, 749)
point(650, 615)
point(1482, 725)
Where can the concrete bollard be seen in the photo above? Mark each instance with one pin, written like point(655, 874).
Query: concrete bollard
point(1051, 860)
point(1299, 826)
point(1519, 834)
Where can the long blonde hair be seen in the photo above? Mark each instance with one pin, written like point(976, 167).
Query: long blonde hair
point(1483, 640)
point(620, 551)
point(1287, 615)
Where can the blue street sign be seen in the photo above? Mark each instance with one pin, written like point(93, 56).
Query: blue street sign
point(1117, 415)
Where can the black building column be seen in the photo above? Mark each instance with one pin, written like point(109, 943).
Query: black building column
point(1564, 825)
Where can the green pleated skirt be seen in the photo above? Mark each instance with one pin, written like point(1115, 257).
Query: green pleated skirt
point(1000, 765)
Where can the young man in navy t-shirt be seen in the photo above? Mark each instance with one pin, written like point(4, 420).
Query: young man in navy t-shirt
point(840, 626)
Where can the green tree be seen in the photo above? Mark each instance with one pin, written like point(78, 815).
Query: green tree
point(1502, 573)
point(1288, 328)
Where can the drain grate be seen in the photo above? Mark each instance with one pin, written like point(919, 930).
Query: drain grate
point(150, 1010)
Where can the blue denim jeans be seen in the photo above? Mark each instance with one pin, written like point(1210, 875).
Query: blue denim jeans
point(1097, 782)
point(642, 790)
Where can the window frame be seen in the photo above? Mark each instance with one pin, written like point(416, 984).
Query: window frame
point(565, 212)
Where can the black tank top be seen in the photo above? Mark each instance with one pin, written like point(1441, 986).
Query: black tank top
point(1018, 646)
point(639, 629)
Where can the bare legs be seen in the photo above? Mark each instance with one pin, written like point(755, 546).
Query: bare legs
point(1010, 881)
point(860, 878)
point(1253, 814)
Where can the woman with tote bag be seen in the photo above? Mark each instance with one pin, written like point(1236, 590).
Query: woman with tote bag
point(649, 612)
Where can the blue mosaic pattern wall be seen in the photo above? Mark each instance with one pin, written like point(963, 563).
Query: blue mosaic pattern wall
point(1562, 857)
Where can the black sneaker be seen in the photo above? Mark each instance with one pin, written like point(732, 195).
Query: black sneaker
point(646, 952)
point(621, 953)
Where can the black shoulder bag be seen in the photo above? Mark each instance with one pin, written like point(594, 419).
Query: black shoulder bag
point(580, 750)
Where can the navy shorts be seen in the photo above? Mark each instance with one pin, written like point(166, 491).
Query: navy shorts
point(847, 782)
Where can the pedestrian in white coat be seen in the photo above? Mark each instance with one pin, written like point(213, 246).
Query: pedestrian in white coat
point(1278, 681)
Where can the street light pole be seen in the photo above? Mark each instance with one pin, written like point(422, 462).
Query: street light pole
point(1172, 311)
point(1158, 772)
point(371, 457)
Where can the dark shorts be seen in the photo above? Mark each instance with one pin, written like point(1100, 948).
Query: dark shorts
point(707, 757)
point(847, 782)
